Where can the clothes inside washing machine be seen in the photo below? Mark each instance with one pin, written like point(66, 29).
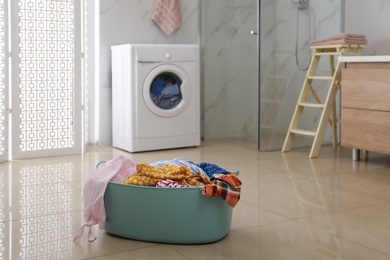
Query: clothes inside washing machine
point(165, 90)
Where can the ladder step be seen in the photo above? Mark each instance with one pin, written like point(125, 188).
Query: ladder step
point(267, 126)
point(283, 51)
point(303, 132)
point(325, 53)
point(277, 76)
point(272, 101)
point(320, 77)
point(303, 104)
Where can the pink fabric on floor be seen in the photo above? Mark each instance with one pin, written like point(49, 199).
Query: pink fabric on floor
point(167, 15)
point(115, 170)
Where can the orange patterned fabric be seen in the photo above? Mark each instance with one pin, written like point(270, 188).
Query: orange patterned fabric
point(148, 175)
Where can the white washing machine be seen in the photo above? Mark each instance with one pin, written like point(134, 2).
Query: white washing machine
point(155, 96)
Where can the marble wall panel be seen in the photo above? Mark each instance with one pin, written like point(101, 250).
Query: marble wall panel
point(229, 67)
point(371, 18)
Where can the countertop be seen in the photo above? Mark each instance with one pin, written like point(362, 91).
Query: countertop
point(376, 58)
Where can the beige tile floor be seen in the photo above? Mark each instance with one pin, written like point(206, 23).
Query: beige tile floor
point(291, 207)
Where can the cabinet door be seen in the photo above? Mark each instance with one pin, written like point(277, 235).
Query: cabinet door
point(365, 129)
point(366, 88)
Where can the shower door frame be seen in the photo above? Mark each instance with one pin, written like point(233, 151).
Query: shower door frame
point(258, 72)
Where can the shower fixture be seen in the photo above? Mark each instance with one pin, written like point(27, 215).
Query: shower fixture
point(302, 6)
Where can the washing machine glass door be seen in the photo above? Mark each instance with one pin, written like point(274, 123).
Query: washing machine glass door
point(167, 90)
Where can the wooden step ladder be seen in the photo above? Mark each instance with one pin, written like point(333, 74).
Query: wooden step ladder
point(327, 107)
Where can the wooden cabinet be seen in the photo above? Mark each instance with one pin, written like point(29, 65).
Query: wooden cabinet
point(365, 103)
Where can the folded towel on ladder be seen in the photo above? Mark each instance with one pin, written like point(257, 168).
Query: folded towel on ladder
point(167, 15)
point(342, 38)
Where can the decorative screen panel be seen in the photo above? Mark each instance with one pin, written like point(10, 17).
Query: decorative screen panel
point(49, 83)
point(85, 73)
point(3, 86)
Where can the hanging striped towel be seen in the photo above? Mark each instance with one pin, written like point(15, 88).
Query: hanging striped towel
point(167, 15)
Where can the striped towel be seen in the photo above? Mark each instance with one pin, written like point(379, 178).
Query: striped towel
point(228, 186)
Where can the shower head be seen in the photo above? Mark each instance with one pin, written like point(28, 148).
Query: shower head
point(302, 5)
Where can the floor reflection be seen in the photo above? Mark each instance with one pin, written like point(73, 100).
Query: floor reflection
point(36, 210)
point(292, 207)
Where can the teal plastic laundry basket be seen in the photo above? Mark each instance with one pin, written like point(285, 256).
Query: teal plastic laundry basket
point(165, 215)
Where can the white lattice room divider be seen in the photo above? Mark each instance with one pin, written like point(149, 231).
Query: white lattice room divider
point(47, 78)
point(3, 84)
point(85, 68)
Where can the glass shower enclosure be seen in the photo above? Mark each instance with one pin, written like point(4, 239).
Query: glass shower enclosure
point(287, 28)
point(254, 58)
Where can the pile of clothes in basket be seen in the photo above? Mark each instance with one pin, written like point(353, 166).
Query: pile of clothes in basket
point(211, 180)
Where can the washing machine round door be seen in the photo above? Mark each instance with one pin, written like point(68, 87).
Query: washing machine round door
point(167, 90)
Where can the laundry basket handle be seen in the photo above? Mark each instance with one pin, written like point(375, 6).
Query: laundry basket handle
point(99, 163)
